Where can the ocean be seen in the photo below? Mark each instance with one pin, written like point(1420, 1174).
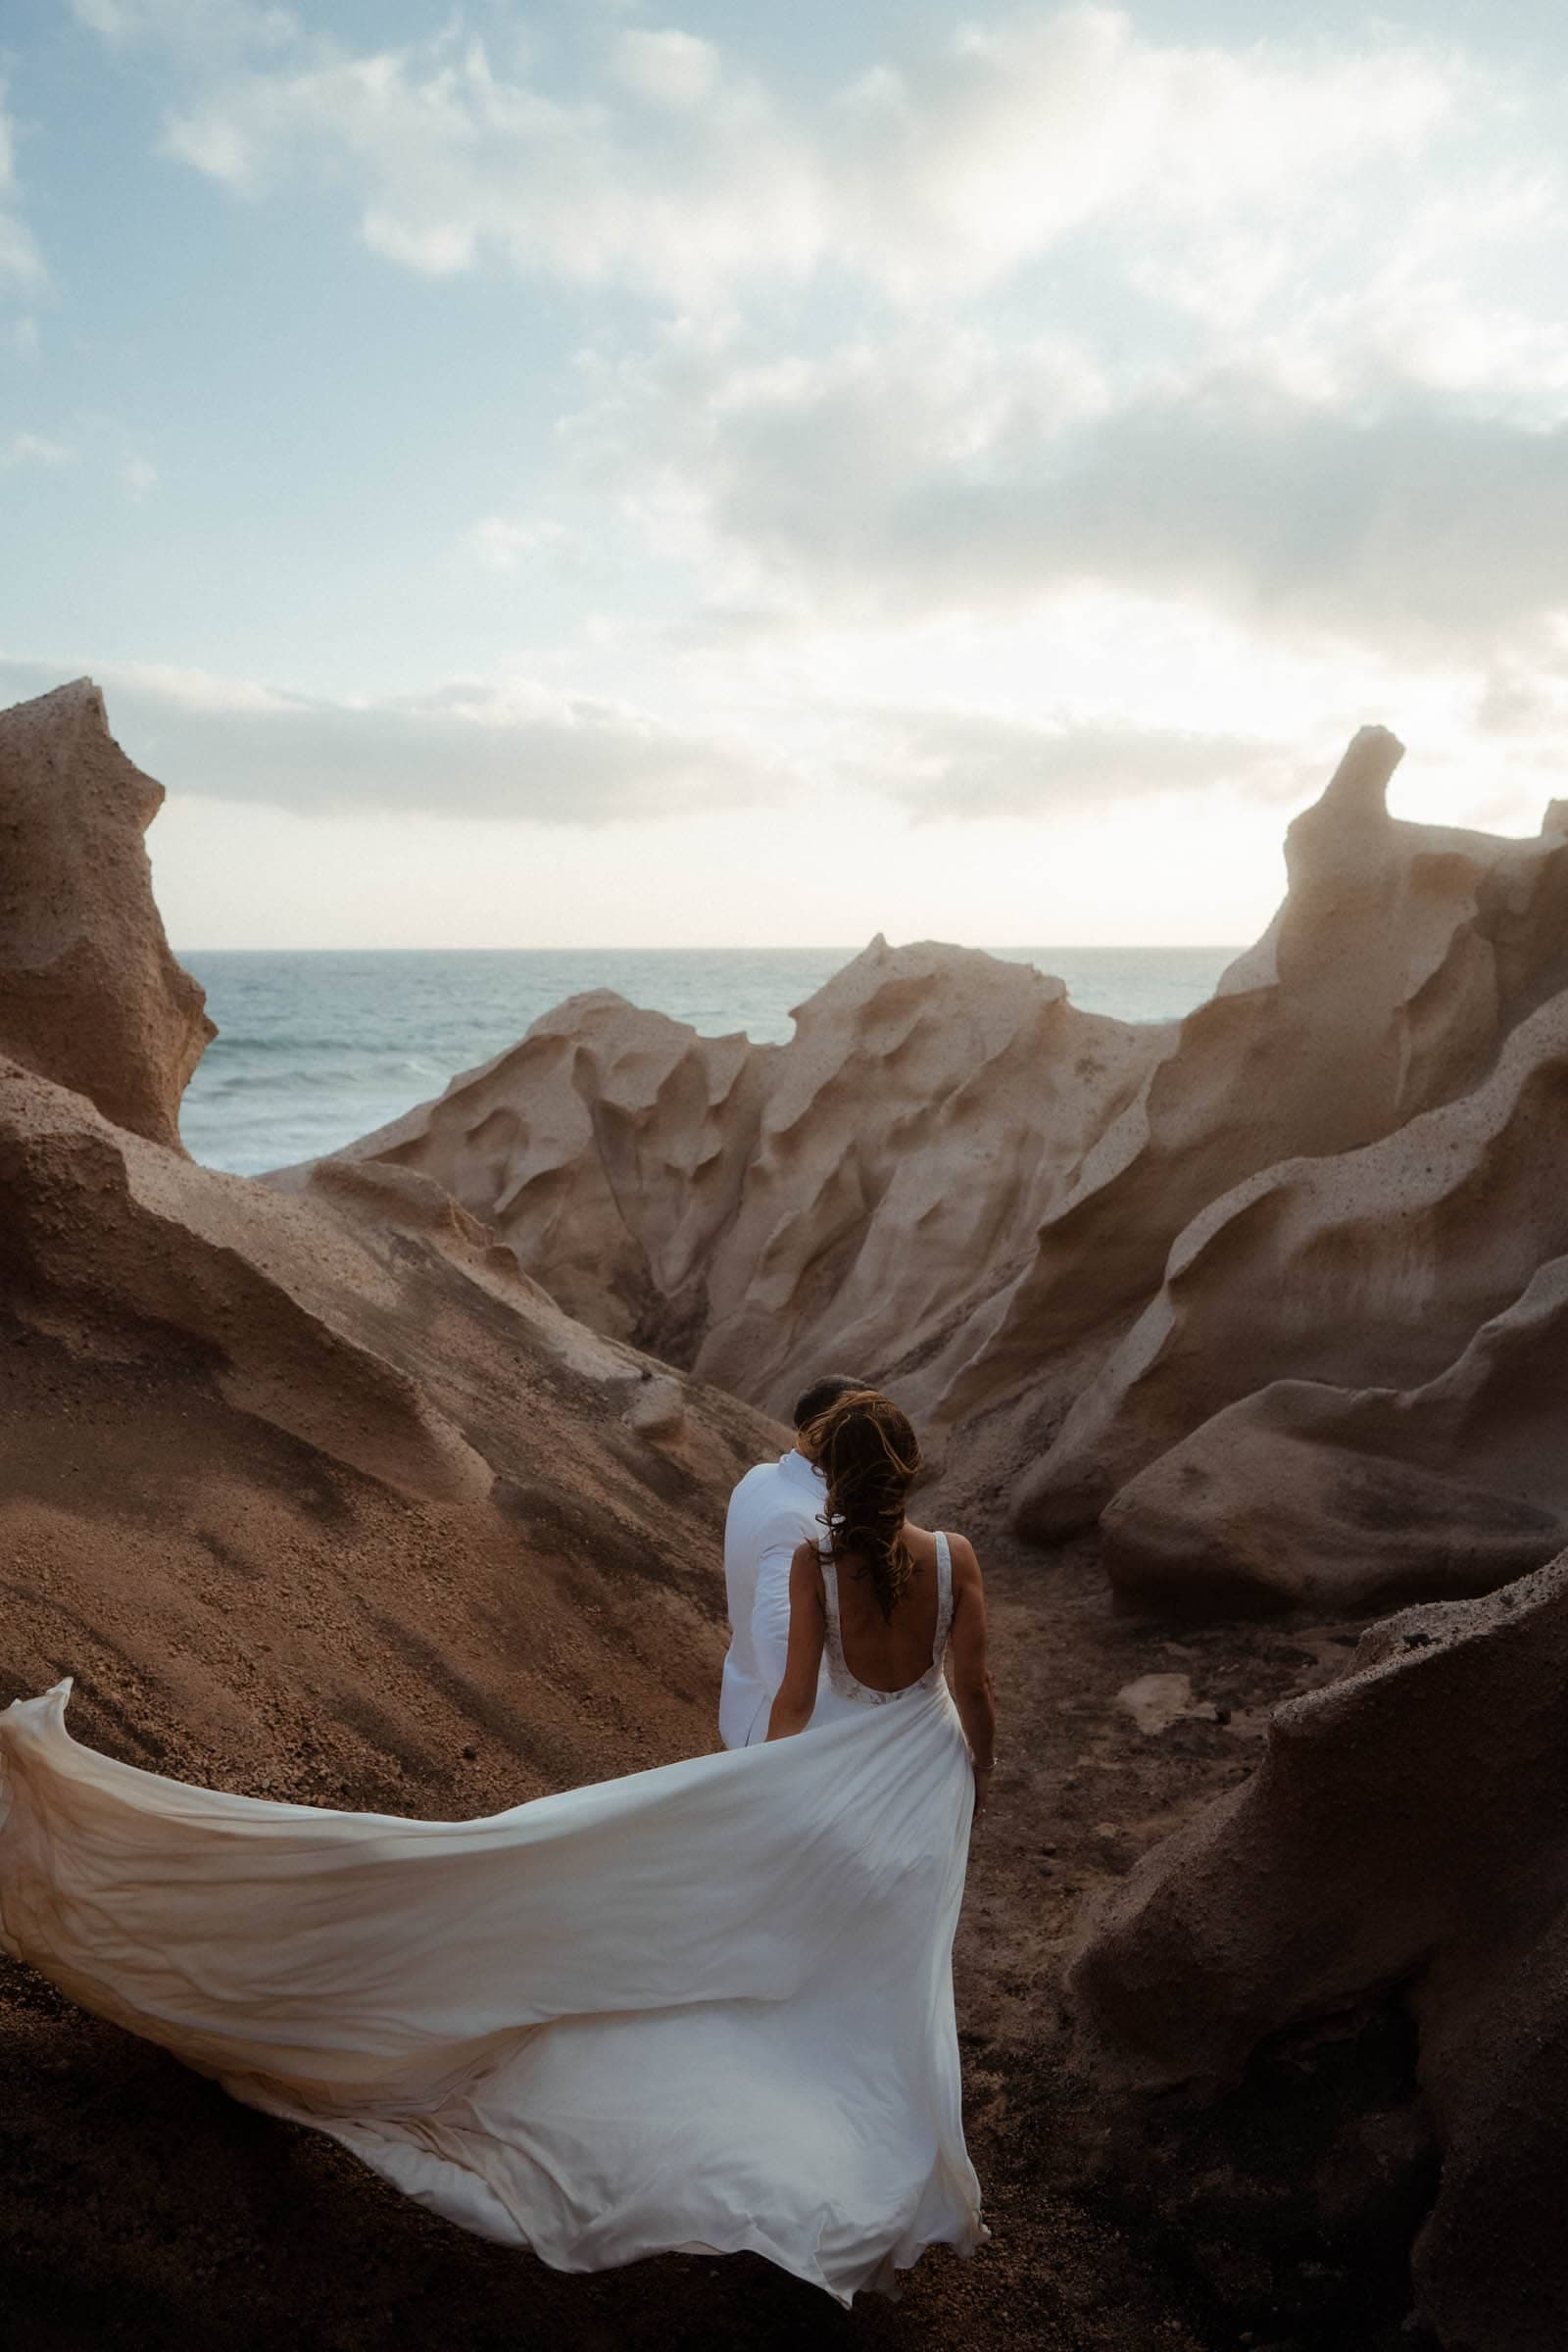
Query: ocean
point(315, 1049)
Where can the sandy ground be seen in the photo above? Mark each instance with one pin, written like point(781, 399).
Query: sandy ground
point(139, 2209)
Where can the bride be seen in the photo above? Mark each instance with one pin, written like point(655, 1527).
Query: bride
point(701, 2009)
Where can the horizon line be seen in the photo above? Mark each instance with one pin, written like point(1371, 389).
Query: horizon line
point(1097, 947)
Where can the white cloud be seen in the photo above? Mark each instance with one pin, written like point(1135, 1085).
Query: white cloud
point(140, 477)
point(894, 481)
point(33, 448)
point(978, 765)
point(217, 145)
point(20, 261)
point(201, 28)
point(525, 753)
point(1335, 274)
point(673, 69)
point(679, 172)
point(501, 545)
point(455, 164)
point(1022, 133)
point(1339, 271)
point(1187, 387)
point(533, 755)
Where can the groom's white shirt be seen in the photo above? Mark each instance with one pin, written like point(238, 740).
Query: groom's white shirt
point(776, 1508)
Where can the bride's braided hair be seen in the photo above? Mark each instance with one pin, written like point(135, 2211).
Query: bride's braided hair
point(869, 1456)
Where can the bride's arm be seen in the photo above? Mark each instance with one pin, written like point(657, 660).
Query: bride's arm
point(971, 1675)
point(797, 1693)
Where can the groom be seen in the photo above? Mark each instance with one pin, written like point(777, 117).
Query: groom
point(777, 1507)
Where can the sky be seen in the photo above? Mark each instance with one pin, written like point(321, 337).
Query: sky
point(584, 475)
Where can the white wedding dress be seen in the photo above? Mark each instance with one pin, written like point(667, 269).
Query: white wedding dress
point(702, 2008)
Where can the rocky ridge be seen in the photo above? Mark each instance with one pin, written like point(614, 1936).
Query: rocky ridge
point(327, 1479)
point(743, 1208)
point(1086, 1253)
point(1445, 1905)
point(90, 995)
point(320, 1492)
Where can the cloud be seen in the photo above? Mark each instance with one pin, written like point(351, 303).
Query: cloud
point(973, 764)
point(671, 68)
point(974, 157)
point(197, 28)
point(879, 483)
point(32, 449)
point(1043, 334)
point(501, 545)
point(455, 164)
point(678, 170)
point(20, 261)
point(547, 759)
point(463, 751)
point(1308, 365)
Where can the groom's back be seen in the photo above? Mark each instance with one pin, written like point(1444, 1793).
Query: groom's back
point(751, 1500)
point(768, 1510)
point(760, 1504)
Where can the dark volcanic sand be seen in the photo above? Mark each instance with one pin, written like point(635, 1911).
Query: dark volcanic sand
point(141, 2210)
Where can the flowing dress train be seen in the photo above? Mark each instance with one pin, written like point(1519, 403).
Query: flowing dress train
point(705, 2008)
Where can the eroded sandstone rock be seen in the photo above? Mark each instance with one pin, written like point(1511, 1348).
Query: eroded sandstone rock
point(90, 995)
point(931, 1108)
point(1335, 1499)
point(744, 1209)
point(1400, 961)
point(1404, 1839)
point(271, 1463)
point(1068, 1243)
point(323, 1479)
point(1375, 1266)
point(607, 1150)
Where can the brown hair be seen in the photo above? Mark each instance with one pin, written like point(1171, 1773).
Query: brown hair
point(812, 1403)
point(867, 1453)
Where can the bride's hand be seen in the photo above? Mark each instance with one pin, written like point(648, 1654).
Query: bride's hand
point(982, 1788)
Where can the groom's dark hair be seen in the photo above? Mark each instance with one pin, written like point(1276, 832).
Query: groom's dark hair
point(815, 1401)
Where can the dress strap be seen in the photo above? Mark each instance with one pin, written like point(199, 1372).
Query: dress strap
point(944, 1599)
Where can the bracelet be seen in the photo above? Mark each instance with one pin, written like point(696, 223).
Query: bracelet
point(979, 1767)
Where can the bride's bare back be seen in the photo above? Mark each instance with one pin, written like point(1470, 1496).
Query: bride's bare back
point(893, 1654)
point(887, 1653)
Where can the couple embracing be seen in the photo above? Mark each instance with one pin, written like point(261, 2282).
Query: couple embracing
point(706, 2008)
point(909, 1592)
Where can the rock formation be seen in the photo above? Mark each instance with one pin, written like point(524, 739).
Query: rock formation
point(608, 1149)
point(89, 993)
point(1348, 1499)
point(1378, 991)
point(1404, 1842)
point(1335, 1395)
point(326, 1478)
point(928, 1113)
point(743, 1208)
point(1086, 1255)
point(319, 1489)
point(349, 1420)
point(1385, 1260)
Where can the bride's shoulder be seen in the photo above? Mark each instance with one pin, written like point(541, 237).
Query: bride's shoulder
point(965, 1564)
point(961, 1551)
